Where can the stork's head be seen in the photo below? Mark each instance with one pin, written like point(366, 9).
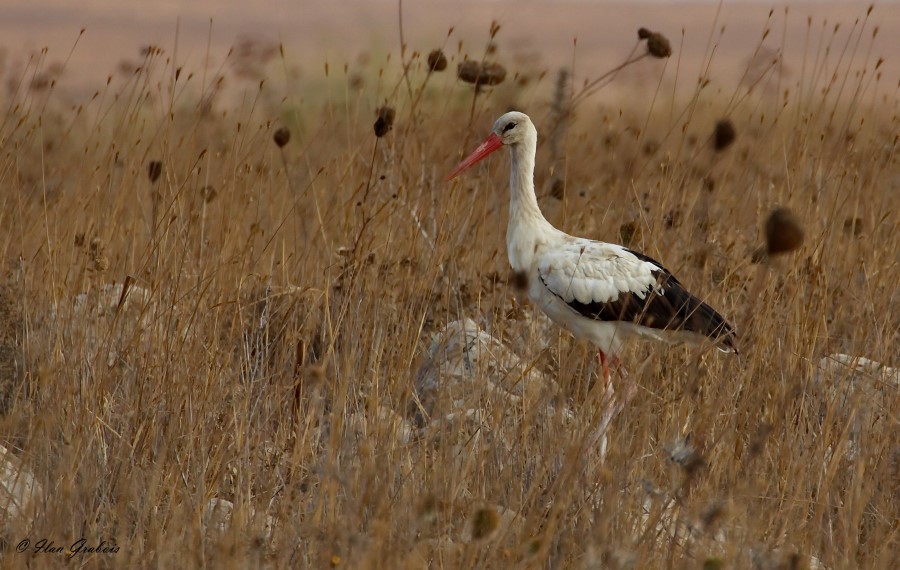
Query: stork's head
point(511, 129)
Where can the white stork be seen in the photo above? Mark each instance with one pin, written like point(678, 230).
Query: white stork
point(598, 291)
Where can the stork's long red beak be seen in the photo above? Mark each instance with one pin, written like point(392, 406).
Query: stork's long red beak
point(489, 145)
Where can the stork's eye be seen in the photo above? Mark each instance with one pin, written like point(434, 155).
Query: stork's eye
point(508, 127)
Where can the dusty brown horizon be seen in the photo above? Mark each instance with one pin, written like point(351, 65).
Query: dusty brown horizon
point(541, 33)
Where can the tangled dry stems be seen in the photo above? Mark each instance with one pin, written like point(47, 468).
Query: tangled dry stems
point(238, 379)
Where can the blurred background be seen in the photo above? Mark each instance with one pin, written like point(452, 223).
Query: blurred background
point(541, 33)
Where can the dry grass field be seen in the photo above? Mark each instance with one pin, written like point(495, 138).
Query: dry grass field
point(218, 351)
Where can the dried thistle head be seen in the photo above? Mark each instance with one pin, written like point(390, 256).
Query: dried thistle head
point(481, 73)
point(558, 188)
point(673, 218)
point(384, 121)
point(723, 134)
point(437, 61)
point(485, 522)
point(208, 193)
point(853, 226)
point(713, 513)
point(783, 232)
point(282, 136)
point(758, 442)
point(154, 170)
point(629, 233)
point(99, 261)
point(657, 44)
point(427, 509)
point(519, 281)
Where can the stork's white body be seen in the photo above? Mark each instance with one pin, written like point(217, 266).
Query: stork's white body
point(600, 292)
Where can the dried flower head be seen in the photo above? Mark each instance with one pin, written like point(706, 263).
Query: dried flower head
point(783, 232)
point(154, 170)
point(208, 193)
point(712, 514)
point(723, 135)
point(481, 73)
point(629, 233)
point(427, 509)
point(673, 218)
point(519, 281)
point(485, 522)
point(437, 61)
point(657, 44)
point(385, 121)
point(758, 442)
point(282, 136)
point(99, 261)
point(853, 226)
point(558, 188)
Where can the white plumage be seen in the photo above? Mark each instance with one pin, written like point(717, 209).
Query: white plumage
point(602, 292)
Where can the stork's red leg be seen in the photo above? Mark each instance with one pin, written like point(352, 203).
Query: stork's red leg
point(605, 366)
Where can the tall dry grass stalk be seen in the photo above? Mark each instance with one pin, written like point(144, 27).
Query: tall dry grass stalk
point(238, 382)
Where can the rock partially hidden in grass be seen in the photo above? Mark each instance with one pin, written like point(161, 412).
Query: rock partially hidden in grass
point(861, 389)
point(108, 298)
point(462, 358)
point(20, 493)
point(466, 388)
point(218, 516)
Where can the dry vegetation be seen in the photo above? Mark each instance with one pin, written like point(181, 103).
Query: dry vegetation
point(221, 350)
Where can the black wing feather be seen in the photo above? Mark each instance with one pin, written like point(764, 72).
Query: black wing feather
point(673, 309)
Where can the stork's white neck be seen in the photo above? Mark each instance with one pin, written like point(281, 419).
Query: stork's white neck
point(527, 225)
